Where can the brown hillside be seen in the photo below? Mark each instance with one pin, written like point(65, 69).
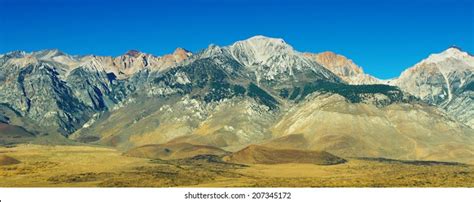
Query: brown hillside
point(173, 151)
point(254, 154)
point(12, 131)
point(6, 160)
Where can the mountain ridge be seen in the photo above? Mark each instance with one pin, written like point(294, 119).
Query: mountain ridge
point(443, 79)
point(250, 92)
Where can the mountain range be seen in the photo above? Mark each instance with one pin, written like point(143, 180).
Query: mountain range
point(255, 91)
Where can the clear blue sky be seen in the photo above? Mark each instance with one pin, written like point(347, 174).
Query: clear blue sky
point(384, 37)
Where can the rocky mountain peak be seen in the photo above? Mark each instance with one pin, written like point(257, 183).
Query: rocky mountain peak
point(259, 49)
point(259, 39)
point(266, 59)
point(443, 79)
point(454, 53)
point(133, 53)
point(342, 67)
point(243, 93)
point(170, 60)
point(48, 54)
point(22, 61)
point(15, 54)
point(336, 63)
point(179, 55)
point(450, 60)
point(181, 51)
point(211, 50)
point(455, 47)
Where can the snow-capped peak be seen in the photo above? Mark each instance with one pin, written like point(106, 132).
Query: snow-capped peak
point(259, 39)
point(450, 60)
point(260, 48)
point(270, 58)
point(450, 53)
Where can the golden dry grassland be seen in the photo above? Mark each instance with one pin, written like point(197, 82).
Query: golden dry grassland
point(89, 166)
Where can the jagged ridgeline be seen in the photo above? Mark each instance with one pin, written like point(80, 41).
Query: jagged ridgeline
point(250, 92)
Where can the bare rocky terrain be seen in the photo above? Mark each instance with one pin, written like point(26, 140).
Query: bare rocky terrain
point(254, 104)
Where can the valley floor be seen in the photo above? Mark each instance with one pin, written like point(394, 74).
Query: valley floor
point(88, 166)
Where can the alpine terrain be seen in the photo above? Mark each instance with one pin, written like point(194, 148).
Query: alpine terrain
point(256, 101)
point(446, 80)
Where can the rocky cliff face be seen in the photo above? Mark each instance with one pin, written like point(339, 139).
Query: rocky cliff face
point(343, 67)
point(34, 90)
point(229, 97)
point(61, 92)
point(445, 80)
point(269, 58)
point(269, 61)
point(134, 61)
